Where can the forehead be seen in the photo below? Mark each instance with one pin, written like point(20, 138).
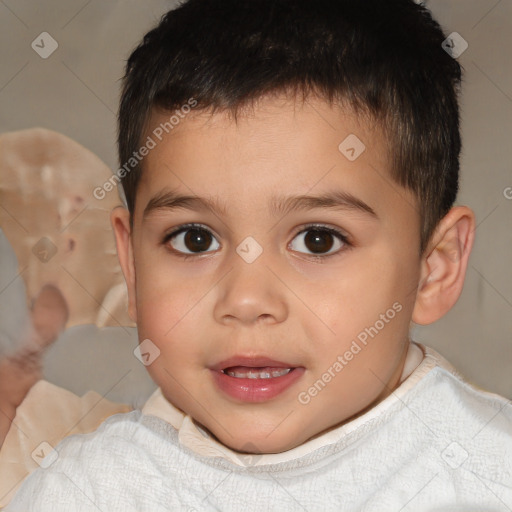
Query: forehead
point(278, 146)
point(278, 121)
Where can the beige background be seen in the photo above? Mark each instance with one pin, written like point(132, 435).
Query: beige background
point(75, 92)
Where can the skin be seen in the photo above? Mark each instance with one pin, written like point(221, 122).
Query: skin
point(288, 305)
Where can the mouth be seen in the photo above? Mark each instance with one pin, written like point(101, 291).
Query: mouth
point(254, 379)
point(267, 372)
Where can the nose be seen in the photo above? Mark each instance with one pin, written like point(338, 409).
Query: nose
point(250, 294)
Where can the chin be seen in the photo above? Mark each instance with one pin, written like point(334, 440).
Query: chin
point(265, 441)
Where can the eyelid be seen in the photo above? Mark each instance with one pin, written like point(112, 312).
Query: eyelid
point(335, 231)
point(184, 227)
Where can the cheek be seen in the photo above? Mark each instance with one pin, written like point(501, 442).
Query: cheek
point(378, 283)
point(173, 312)
point(172, 326)
point(384, 274)
point(355, 299)
point(168, 289)
point(164, 304)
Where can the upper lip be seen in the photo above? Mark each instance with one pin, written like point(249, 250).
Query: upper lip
point(250, 362)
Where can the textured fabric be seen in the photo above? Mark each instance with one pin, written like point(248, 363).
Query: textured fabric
point(440, 445)
point(45, 417)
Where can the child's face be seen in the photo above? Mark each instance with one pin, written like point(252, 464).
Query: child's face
point(340, 320)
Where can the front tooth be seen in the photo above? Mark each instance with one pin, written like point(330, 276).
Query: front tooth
point(279, 373)
point(252, 374)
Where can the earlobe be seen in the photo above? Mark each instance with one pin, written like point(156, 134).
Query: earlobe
point(444, 266)
point(120, 220)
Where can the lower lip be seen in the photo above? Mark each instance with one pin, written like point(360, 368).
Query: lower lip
point(256, 390)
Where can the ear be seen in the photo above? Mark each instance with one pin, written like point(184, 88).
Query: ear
point(443, 266)
point(120, 219)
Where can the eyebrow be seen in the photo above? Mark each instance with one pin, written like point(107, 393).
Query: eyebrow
point(279, 206)
point(336, 199)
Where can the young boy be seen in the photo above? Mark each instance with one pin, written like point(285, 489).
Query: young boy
point(289, 169)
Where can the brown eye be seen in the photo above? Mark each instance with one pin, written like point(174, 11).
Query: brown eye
point(192, 240)
point(197, 240)
point(318, 241)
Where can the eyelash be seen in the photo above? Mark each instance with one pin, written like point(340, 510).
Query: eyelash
point(318, 257)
